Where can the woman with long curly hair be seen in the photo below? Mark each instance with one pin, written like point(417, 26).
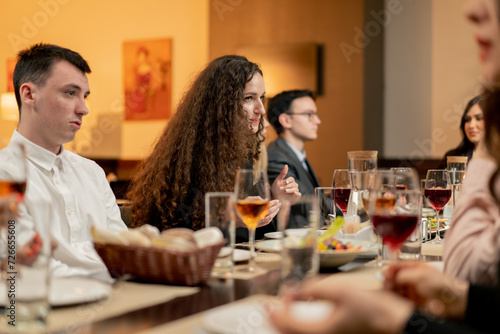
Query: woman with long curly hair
point(215, 131)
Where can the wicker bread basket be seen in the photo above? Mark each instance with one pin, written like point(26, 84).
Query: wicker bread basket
point(156, 265)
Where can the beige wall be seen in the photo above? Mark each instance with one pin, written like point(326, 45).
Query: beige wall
point(431, 71)
point(455, 72)
point(97, 29)
point(326, 22)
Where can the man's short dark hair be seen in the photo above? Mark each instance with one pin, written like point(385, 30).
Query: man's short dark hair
point(281, 104)
point(34, 64)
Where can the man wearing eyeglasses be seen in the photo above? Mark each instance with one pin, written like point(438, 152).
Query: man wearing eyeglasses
point(294, 116)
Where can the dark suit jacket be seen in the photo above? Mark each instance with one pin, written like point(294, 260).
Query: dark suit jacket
point(280, 154)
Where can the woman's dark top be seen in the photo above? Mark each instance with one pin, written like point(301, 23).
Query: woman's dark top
point(184, 216)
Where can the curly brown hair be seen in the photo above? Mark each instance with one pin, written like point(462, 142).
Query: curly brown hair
point(206, 141)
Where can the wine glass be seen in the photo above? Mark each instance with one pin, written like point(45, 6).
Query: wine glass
point(342, 188)
point(395, 216)
point(252, 196)
point(13, 178)
point(380, 186)
point(438, 193)
point(405, 178)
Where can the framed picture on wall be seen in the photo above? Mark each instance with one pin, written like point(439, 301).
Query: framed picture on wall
point(147, 73)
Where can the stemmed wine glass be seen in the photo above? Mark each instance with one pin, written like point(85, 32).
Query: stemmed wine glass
point(252, 196)
point(438, 193)
point(342, 188)
point(396, 222)
point(381, 189)
point(405, 178)
point(12, 185)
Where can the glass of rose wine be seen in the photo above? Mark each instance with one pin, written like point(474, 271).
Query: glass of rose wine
point(252, 196)
point(438, 193)
point(342, 188)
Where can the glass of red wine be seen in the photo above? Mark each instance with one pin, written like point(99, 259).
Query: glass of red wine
point(438, 193)
point(394, 216)
point(341, 188)
point(252, 196)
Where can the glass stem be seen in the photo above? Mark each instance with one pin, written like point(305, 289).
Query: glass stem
point(438, 236)
point(251, 239)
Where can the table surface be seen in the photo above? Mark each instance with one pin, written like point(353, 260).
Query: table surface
point(215, 292)
point(220, 291)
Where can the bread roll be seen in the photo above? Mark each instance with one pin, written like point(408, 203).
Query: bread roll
point(149, 231)
point(103, 235)
point(174, 243)
point(136, 238)
point(208, 236)
point(181, 232)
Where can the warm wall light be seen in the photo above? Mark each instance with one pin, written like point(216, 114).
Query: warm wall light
point(9, 111)
point(288, 66)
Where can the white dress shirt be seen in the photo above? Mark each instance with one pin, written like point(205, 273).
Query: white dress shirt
point(80, 197)
point(301, 155)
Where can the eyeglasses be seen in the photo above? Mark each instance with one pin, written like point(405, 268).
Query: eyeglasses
point(311, 115)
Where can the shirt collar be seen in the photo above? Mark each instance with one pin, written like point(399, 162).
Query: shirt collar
point(38, 155)
point(301, 155)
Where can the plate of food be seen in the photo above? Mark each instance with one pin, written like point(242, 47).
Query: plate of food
point(336, 252)
point(442, 227)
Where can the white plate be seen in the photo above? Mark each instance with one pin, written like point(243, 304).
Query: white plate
point(328, 258)
point(252, 318)
point(70, 291)
point(240, 255)
point(273, 235)
point(299, 232)
point(272, 246)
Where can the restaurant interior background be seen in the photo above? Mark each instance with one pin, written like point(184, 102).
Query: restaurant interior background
point(402, 92)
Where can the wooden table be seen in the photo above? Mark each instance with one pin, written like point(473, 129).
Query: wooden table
point(214, 293)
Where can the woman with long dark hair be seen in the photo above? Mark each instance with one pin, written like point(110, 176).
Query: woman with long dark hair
point(471, 128)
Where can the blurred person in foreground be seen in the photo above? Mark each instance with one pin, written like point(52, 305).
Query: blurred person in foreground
point(51, 88)
point(216, 130)
point(471, 128)
point(434, 302)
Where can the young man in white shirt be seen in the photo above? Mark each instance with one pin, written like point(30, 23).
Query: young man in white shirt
point(51, 87)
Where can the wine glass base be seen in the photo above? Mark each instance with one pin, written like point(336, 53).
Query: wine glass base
point(246, 270)
point(435, 242)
